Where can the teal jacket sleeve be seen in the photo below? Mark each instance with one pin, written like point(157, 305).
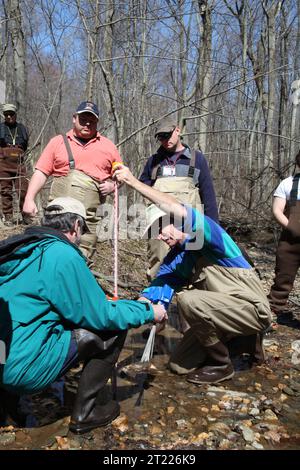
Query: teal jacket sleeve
point(78, 298)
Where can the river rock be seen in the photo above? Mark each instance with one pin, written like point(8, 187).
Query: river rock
point(254, 412)
point(269, 415)
point(248, 434)
point(219, 427)
point(7, 438)
point(257, 445)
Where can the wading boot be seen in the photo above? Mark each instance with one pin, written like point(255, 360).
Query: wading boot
point(218, 366)
point(257, 354)
point(3, 410)
point(86, 414)
point(10, 412)
point(251, 344)
point(100, 356)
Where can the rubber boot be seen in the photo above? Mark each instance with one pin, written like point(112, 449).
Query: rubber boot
point(10, 412)
point(218, 366)
point(3, 409)
point(87, 412)
point(257, 354)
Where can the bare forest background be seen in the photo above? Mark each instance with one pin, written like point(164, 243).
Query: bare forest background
point(227, 70)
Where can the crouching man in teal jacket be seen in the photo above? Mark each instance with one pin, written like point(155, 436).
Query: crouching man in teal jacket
point(54, 313)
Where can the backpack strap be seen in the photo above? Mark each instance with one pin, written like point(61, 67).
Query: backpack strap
point(294, 191)
point(70, 154)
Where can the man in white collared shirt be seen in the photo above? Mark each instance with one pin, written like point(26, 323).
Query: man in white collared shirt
point(286, 210)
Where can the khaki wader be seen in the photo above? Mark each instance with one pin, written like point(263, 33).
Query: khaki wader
point(226, 303)
point(287, 255)
point(84, 188)
point(184, 189)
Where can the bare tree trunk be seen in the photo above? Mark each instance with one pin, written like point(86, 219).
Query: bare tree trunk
point(182, 78)
point(3, 57)
point(294, 130)
point(107, 72)
point(141, 148)
point(95, 51)
point(271, 13)
point(179, 72)
point(203, 85)
point(92, 53)
point(17, 76)
point(282, 127)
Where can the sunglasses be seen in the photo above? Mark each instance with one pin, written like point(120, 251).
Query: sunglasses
point(9, 113)
point(164, 136)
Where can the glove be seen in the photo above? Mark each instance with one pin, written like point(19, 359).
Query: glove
point(161, 294)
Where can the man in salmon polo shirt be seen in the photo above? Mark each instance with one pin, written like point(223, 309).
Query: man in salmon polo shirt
point(81, 163)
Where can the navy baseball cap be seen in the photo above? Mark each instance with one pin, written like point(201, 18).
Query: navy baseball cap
point(88, 107)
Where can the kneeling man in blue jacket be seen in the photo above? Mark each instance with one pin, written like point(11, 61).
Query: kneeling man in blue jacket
point(54, 313)
point(218, 292)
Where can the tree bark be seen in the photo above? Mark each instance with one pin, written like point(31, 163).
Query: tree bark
point(17, 75)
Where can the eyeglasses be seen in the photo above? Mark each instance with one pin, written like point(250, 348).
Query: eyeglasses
point(9, 113)
point(164, 136)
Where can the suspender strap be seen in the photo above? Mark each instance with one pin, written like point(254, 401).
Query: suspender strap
point(2, 131)
point(294, 191)
point(192, 164)
point(23, 132)
point(156, 169)
point(154, 172)
point(70, 155)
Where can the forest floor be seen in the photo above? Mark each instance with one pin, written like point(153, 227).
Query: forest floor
point(257, 409)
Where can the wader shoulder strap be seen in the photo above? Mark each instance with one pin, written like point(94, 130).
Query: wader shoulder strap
point(192, 164)
point(2, 131)
point(294, 191)
point(22, 131)
point(154, 171)
point(70, 155)
point(191, 171)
